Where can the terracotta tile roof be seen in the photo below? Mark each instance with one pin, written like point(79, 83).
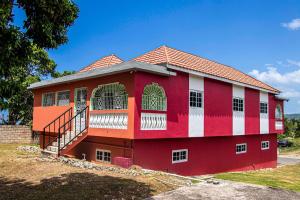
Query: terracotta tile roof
point(103, 62)
point(167, 55)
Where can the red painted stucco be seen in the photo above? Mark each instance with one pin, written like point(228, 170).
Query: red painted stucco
point(252, 113)
point(118, 147)
point(206, 155)
point(272, 106)
point(176, 89)
point(217, 108)
point(44, 115)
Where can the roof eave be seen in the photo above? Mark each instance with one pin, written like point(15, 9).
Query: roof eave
point(100, 72)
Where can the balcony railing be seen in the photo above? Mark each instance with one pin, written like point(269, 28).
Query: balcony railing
point(278, 125)
point(153, 121)
point(110, 102)
point(109, 120)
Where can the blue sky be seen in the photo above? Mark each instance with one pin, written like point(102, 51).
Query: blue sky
point(258, 37)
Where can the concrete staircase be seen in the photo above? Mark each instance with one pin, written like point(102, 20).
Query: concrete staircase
point(65, 139)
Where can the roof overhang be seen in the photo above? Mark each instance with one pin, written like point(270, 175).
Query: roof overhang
point(278, 97)
point(105, 71)
point(197, 73)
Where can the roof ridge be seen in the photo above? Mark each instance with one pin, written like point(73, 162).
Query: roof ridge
point(111, 57)
point(166, 52)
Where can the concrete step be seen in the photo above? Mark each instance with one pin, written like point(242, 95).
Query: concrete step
point(52, 148)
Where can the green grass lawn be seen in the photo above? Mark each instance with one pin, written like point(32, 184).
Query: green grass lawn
point(294, 149)
point(287, 177)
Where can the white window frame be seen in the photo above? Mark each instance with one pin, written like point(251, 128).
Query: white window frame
point(265, 142)
point(103, 150)
point(56, 97)
point(241, 152)
point(262, 102)
point(238, 106)
point(43, 96)
point(182, 160)
point(201, 97)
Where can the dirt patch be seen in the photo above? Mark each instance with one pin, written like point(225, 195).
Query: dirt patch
point(23, 176)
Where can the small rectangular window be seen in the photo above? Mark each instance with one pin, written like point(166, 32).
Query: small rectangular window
point(265, 145)
point(179, 156)
point(63, 98)
point(263, 107)
point(241, 148)
point(238, 104)
point(48, 99)
point(103, 155)
point(195, 99)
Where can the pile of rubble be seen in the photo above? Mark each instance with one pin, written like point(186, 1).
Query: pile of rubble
point(28, 148)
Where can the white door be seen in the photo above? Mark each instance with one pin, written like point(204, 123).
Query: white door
point(80, 104)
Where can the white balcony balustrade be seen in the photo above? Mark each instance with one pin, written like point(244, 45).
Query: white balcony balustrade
point(109, 120)
point(153, 121)
point(278, 125)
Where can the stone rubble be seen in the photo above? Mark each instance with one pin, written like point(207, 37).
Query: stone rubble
point(28, 148)
point(133, 171)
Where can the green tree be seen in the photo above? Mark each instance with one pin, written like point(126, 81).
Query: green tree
point(23, 55)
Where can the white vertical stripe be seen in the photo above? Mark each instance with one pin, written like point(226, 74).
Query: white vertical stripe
point(238, 117)
point(196, 115)
point(264, 117)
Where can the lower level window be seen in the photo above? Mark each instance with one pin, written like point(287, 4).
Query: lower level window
point(265, 145)
point(241, 148)
point(179, 156)
point(103, 155)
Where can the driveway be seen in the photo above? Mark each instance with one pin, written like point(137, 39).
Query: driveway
point(288, 160)
point(227, 190)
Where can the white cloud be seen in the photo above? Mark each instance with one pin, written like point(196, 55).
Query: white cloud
point(293, 62)
point(273, 76)
point(290, 93)
point(292, 25)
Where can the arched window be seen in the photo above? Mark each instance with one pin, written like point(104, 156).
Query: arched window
point(278, 112)
point(154, 98)
point(109, 97)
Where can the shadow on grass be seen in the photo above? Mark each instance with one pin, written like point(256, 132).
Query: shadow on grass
point(75, 186)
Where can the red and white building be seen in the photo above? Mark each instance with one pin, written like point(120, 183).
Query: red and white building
point(165, 110)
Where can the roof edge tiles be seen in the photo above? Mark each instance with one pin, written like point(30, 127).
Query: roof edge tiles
point(105, 61)
point(181, 59)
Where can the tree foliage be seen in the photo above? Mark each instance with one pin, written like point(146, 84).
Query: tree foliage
point(292, 128)
point(23, 55)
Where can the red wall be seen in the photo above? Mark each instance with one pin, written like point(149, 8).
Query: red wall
point(217, 108)
point(252, 112)
point(118, 147)
point(44, 115)
point(206, 155)
point(177, 91)
point(272, 106)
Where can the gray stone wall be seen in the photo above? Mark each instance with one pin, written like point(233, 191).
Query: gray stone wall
point(16, 134)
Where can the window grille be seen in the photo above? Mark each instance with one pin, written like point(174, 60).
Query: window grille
point(154, 98)
point(63, 98)
point(103, 155)
point(179, 156)
point(195, 99)
point(265, 145)
point(110, 97)
point(263, 107)
point(241, 148)
point(49, 99)
point(238, 104)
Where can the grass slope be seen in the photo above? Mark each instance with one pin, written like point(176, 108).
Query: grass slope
point(287, 177)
